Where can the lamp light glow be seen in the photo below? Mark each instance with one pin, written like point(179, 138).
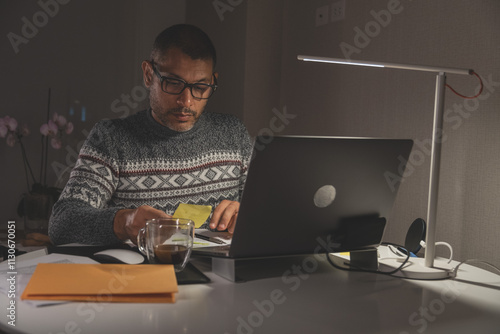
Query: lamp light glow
point(338, 61)
point(425, 68)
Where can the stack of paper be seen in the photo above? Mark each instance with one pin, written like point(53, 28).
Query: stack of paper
point(102, 283)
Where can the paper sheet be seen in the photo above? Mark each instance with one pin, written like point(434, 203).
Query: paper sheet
point(197, 213)
point(25, 268)
point(225, 237)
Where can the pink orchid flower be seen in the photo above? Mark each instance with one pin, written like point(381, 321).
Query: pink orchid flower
point(11, 139)
point(59, 120)
point(10, 122)
point(69, 128)
point(49, 129)
point(56, 143)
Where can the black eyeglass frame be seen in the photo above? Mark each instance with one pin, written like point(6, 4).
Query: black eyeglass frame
point(163, 78)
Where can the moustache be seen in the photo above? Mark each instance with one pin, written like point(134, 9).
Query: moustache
point(184, 111)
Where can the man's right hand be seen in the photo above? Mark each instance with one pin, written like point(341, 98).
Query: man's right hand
point(128, 222)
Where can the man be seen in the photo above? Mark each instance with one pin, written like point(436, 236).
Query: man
point(141, 167)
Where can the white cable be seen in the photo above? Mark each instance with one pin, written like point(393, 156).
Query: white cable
point(455, 271)
point(441, 243)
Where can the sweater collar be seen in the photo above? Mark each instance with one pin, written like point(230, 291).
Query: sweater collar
point(162, 130)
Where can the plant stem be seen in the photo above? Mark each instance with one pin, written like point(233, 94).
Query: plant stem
point(26, 164)
point(46, 147)
point(45, 161)
point(41, 159)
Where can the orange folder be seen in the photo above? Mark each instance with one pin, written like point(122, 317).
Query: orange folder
point(102, 283)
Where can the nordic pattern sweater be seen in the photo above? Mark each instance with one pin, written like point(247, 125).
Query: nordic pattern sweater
point(126, 163)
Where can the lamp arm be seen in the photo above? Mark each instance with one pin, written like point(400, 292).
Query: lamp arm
point(425, 68)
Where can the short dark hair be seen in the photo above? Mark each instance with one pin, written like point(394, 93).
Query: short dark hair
point(190, 39)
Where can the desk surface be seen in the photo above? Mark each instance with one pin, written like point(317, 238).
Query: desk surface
point(316, 299)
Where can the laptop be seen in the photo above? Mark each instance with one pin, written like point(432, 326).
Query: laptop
point(306, 195)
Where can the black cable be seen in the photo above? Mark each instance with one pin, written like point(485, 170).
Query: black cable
point(351, 268)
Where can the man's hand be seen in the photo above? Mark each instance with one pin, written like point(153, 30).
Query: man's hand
point(225, 215)
point(128, 222)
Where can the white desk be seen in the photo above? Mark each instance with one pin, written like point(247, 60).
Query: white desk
point(327, 300)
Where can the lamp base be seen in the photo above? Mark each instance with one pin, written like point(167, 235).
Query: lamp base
point(415, 268)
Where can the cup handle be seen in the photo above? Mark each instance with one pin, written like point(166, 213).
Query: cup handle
point(141, 241)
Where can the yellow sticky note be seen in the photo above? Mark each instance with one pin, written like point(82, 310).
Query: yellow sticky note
point(197, 213)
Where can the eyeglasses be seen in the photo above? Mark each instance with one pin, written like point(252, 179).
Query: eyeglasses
point(174, 86)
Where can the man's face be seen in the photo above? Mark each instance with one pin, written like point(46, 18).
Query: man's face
point(177, 112)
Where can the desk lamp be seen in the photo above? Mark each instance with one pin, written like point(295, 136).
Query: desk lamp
point(419, 268)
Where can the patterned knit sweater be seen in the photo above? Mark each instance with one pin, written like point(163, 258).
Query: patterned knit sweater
point(126, 163)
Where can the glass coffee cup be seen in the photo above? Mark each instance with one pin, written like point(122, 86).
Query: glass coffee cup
point(167, 241)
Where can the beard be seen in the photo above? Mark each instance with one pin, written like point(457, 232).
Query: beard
point(179, 119)
point(169, 118)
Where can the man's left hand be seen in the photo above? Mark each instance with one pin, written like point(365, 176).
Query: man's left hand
point(224, 216)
